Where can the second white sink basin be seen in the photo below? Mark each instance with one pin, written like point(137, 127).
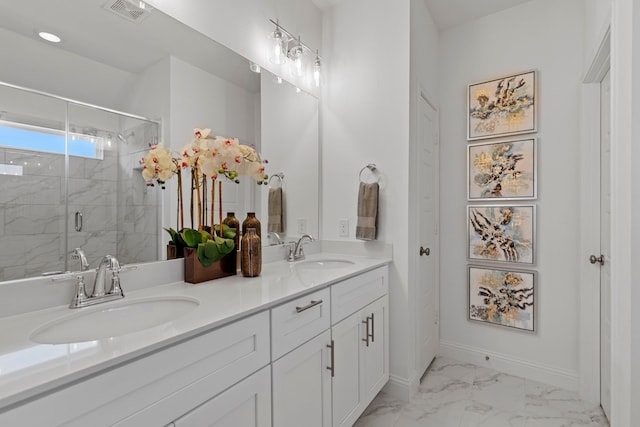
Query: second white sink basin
point(324, 264)
point(113, 320)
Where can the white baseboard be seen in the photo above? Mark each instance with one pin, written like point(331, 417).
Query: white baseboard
point(401, 388)
point(510, 365)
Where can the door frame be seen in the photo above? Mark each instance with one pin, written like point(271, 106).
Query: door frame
point(589, 313)
point(414, 243)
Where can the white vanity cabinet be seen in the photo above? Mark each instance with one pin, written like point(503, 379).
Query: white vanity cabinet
point(316, 360)
point(361, 347)
point(329, 380)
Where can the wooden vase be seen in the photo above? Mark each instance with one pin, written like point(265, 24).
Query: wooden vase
point(195, 272)
point(251, 222)
point(251, 254)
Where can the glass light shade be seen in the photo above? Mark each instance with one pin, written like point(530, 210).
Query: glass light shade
point(296, 54)
point(277, 47)
point(316, 71)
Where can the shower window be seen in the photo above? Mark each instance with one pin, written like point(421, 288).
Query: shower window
point(36, 138)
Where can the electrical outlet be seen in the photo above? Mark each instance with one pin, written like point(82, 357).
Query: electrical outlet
point(343, 228)
point(302, 226)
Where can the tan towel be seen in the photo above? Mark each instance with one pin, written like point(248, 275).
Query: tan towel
point(276, 223)
point(367, 211)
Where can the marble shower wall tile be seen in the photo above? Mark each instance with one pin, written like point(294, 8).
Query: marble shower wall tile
point(30, 190)
point(92, 192)
point(35, 163)
point(27, 220)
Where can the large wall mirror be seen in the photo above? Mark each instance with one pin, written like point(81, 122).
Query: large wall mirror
point(147, 66)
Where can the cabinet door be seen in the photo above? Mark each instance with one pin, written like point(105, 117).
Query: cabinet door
point(246, 404)
point(302, 385)
point(346, 399)
point(374, 361)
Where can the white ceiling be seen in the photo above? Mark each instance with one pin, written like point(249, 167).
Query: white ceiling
point(449, 13)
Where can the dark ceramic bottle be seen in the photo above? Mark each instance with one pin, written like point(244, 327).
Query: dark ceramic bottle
point(251, 222)
point(251, 254)
point(232, 222)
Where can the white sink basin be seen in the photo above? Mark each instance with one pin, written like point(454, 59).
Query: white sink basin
point(324, 264)
point(113, 320)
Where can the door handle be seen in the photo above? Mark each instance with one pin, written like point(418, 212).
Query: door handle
point(373, 331)
point(593, 259)
point(424, 251)
point(78, 223)
point(332, 368)
point(366, 333)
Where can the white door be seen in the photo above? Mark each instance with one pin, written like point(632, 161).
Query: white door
point(605, 244)
point(301, 385)
point(427, 287)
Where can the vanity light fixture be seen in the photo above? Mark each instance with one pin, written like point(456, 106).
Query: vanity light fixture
point(285, 48)
point(50, 37)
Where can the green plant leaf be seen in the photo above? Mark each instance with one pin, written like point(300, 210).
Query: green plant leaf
point(227, 232)
point(214, 250)
point(173, 233)
point(192, 237)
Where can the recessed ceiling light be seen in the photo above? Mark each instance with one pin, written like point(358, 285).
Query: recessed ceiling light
point(49, 37)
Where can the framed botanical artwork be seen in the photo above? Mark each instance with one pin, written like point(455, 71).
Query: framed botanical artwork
point(502, 297)
point(501, 233)
point(502, 106)
point(502, 170)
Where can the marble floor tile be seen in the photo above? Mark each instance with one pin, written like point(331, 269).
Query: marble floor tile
point(457, 394)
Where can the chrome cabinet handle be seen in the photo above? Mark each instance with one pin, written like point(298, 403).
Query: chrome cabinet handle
point(308, 306)
point(78, 221)
point(332, 368)
point(593, 259)
point(373, 333)
point(366, 334)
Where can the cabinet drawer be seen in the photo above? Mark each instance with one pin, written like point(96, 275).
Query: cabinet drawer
point(297, 321)
point(352, 294)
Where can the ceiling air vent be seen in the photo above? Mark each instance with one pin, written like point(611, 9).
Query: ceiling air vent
point(134, 11)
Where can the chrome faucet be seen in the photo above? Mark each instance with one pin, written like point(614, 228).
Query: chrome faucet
point(99, 293)
point(295, 249)
point(78, 255)
point(276, 236)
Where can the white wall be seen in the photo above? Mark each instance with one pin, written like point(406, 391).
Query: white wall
point(365, 119)
point(290, 139)
point(487, 48)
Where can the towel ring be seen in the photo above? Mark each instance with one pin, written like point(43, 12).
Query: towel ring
point(371, 167)
point(279, 175)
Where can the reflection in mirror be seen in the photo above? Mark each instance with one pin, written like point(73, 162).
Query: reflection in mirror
point(68, 181)
point(155, 67)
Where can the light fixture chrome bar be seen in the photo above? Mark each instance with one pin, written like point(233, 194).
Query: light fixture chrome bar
point(292, 37)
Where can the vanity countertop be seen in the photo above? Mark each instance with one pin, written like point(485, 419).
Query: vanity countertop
point(28, 369)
